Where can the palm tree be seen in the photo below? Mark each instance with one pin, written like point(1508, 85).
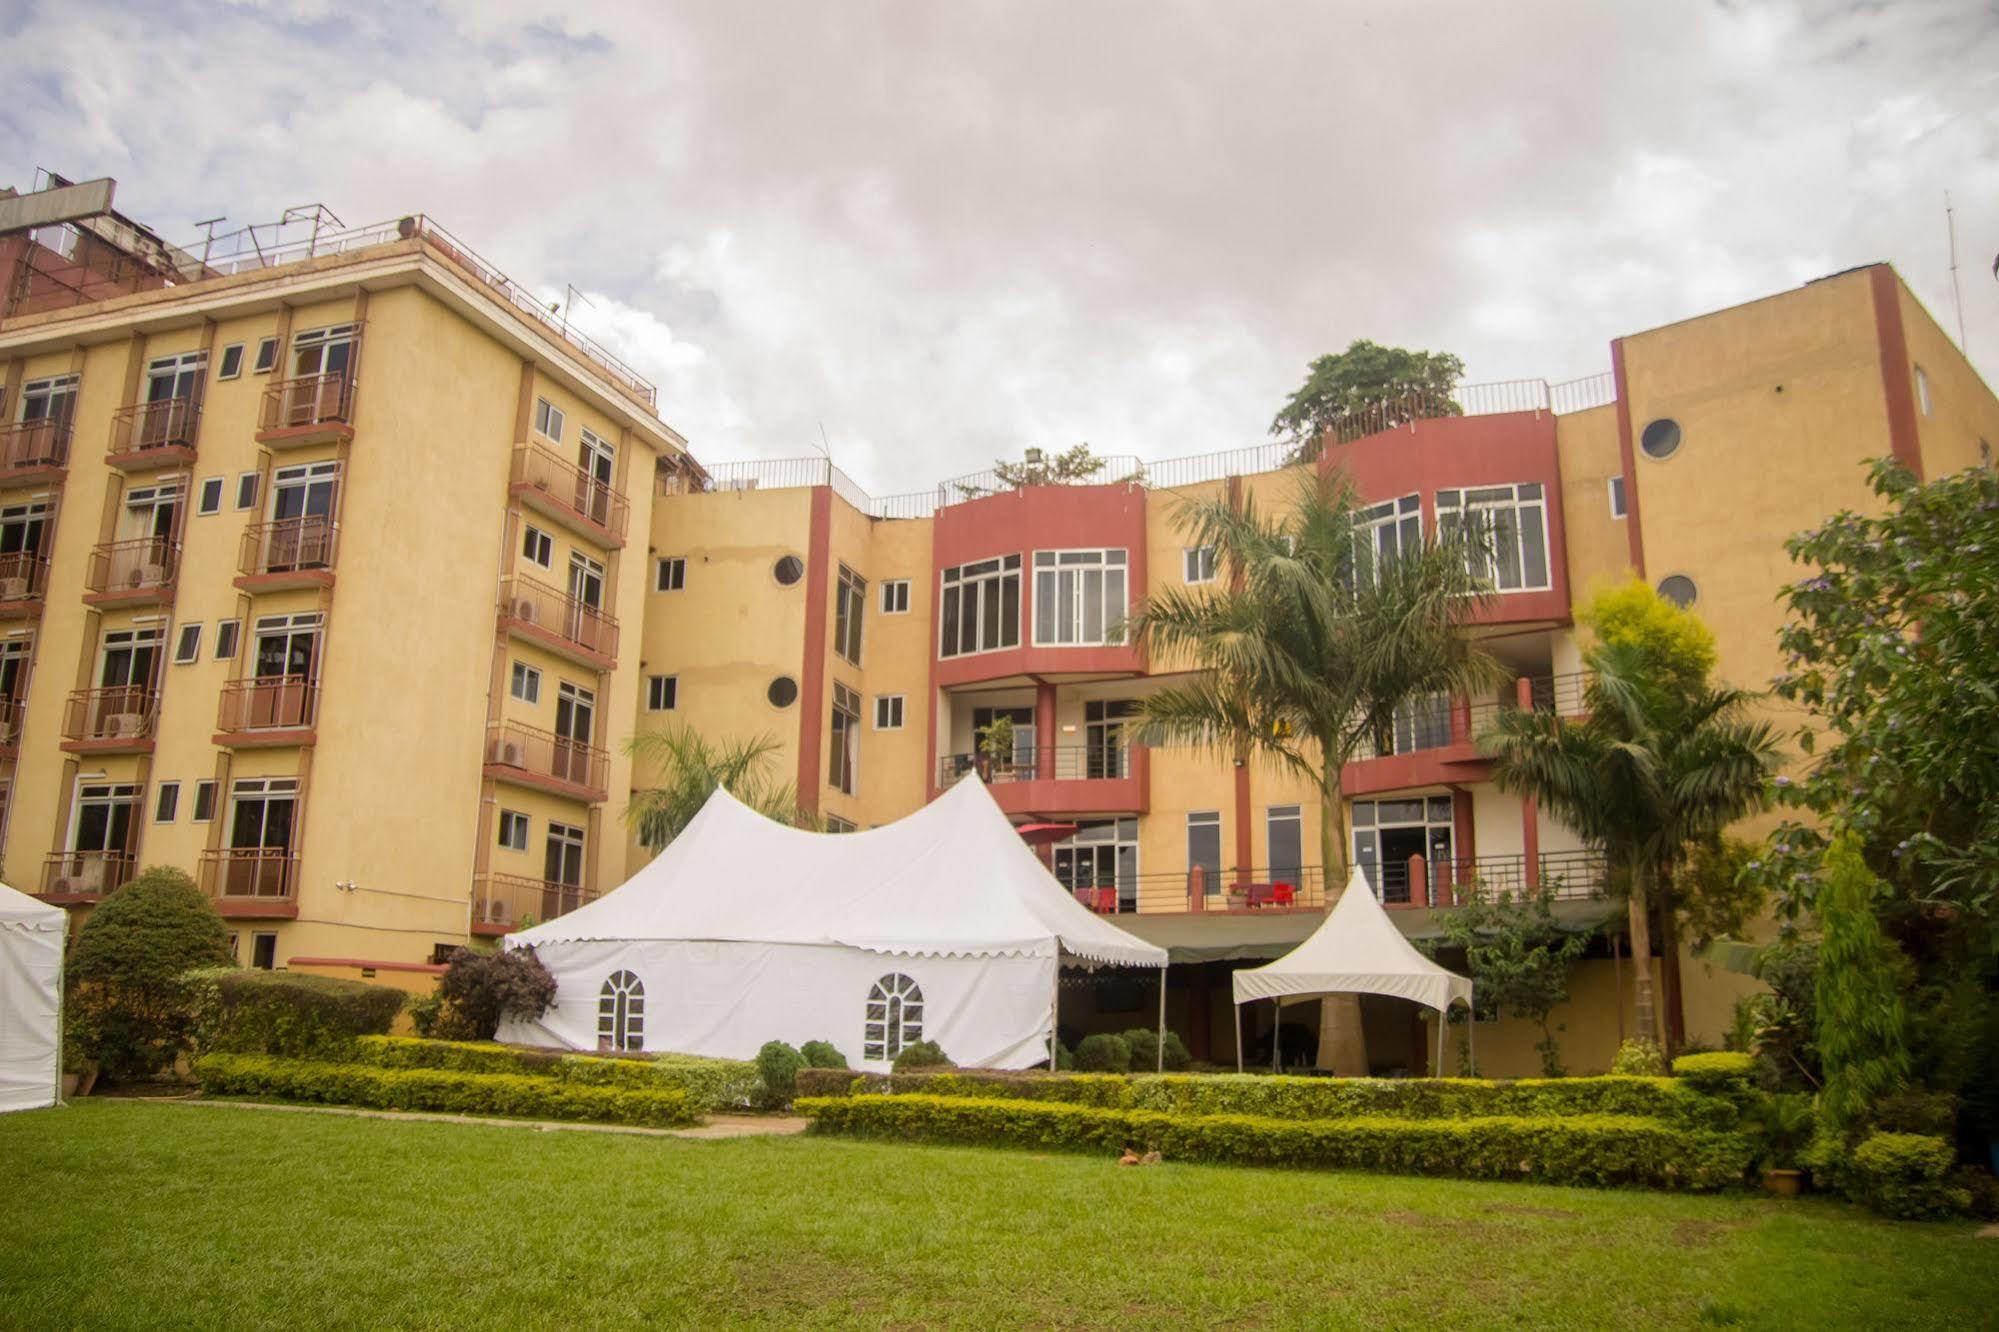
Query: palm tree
point(1305, 653)
point(690, 767)
point(1653, 767)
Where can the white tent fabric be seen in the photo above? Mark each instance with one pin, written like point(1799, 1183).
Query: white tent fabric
point(31, 940)
point(1355, 950)
point(745, 931)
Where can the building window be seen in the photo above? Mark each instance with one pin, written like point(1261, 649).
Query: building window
point(1079, 597)
point(1660, 439)
point(671, 575)
point(264, 951)
point(1204, 850)
point(895, 596)
point(1505, 529)
point(513, 830)
point(788, 570)
point(621, 1013)
point(1387, 833)
point(168, 806)
point(662, 693)
point(1386, 530)
point(888, 712)
point(836, 824)
point(894, 1018)
point(1922, 391)
point(981, 607)
point(211, 496)
point(1099, 864)
point(231, 364)
point(1197, 564)
point(187, 648)
point(783, 692)
point(227, 635)
point(1617, 497)
point(845, 742)
point(204, 802)
point(562, 860)
point(537, 547)
point(267, 356)
point(52, 399)
point(1283, 827)
point(1679, 589)
point(850, 601)
point(548, 419)
point(246, 491)
point(527, 683)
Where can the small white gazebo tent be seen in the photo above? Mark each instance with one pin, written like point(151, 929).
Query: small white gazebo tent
point(1355, 950)
point(31, 939)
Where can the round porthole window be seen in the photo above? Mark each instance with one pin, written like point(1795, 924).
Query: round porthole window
point(788, 570)
point(1661, 439)
point(783, 692)
point(1679, 589)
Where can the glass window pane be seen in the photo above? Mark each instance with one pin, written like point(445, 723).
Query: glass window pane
point(1534, 549)
point(1010, 610)
point(1044, 607)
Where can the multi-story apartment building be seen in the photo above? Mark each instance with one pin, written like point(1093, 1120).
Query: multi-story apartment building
point(440, 756)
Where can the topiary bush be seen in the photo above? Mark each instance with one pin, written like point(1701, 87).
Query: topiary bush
point(128, 982)
point(777, 1068)
point(1103, 1053)
point(1143, 1042)
point(287, 1013)
point(1907, 1176)
point(1639, 1058)
point(822, 1054)
point(480, 990)
point(921, 1054)
point(1721, 1073)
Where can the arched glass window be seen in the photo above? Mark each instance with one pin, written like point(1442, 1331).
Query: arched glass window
point(895, 1017)
point(621, 1013)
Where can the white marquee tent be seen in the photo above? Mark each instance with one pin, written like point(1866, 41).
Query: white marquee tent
point(1355, 950)
point(31, 940)
point(942, 926)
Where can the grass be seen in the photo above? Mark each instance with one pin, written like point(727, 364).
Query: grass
point(121, 1214)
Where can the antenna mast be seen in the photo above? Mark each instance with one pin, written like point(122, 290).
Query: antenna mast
point(1956, 296)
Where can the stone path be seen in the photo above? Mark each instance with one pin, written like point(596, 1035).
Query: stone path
point(718, 1126)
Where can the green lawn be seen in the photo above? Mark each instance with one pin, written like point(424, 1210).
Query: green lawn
point(118, 1214)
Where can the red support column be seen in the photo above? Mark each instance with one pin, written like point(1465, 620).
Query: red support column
point(1419, 882)
point(1044, 731)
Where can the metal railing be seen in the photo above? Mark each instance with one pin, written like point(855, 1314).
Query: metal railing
point(1571, 875)
point(86, 873)
point(1567, 695)
point(1199, 889)
point(23, 575)
point(1061, 763)
point(1112, 470)
point(567, 485)
point(146, 426)
point(249, 874)
point(26, 444)
point(1579, 395)
point(509, 744)
point(148, 564)
point(304, 401)
point(11, 712)
point(268, 703)
point(122, 712)
point(289, 545)
point(506, 902)
point(524, 601)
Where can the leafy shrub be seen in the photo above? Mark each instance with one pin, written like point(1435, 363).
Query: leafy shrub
point(1065, 1058)
point(439, 1089)
point(824, 1082)
point(923, 1054)
point(1980, 1188)
point(1587, 1149)
point(1784, 1124)
point(777, 1068)
point(1930, 1113)
point(1143, 1042)
point(1907, 1175)
point(1101, 1089)
point(289, 1013)
point(128, 985)
point(711, 1084)
point(1279, 1097)
point(480, 990)
point(425, 1011)
point(1103, 1053)
point(822, 1054)
point(1720, 1072)
point(1639, 1058)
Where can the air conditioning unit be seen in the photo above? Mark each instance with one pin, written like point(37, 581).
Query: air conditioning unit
point(495, 911)
point(13, 589)
point(88, 878)
point(123, 725)
point(504, 751)
point(525, 610)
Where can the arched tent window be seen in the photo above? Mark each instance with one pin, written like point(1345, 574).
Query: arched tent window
point(895, 1017)
point(621, 1013)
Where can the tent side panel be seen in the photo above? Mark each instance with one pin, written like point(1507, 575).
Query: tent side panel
point(30, 991)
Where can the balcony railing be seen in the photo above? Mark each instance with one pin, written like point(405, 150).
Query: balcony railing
point(559, 485)
point(34, 446)
point(146, 427)
point(1436, 723)
point(134, 568)
point(1570, 875)
point(11, 712)
point(1061, 763)
point(269, 702)
point(121, 713)
point(289, 546)
point(1566, 695)
point(502, 903)
point(24, 576)
point(85, 874)
point(545, 754)
point(546, 610)
point(306, 401)
point(1259, 888)
point(256, 877)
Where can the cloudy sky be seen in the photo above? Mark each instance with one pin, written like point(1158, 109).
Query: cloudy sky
point(949, 231)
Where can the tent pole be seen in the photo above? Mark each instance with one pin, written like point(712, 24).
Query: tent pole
point(1443, 1018)
point(1238, 1031)
point(1471, 1039)
point(1276, 1030)
point(1054, 1012)
point(1160, 1046)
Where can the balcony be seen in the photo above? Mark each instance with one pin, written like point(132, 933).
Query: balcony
point(1571, 875)
point(1434, 741)
point(543, 761)
point(24, 581)
point(33, 451)
point(132, 573)
point(1060, 779)
point(503, 903)
point(268, 712)
point(1196, 891)
point(251, 882)
point(11, 713)
point(118, 720)
point(289, 553)
point(307, 409)
point(73, 878)
point(566, 494)
point(154, 434)
point(537, 613)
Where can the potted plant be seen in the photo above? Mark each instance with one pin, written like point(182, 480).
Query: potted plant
point(1786, 1128)
point(996, 748)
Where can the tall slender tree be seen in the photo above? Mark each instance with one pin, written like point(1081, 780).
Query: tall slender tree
point(1305, 651)
point(689, 767)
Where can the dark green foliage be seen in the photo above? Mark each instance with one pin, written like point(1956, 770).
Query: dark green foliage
point(824, 1082)
point(1518, 956)
point(1932, 1113)
point(292, 1014)
point(1784, 1124)
point(688, 768)
point(513, 1094)
point(1717, 1073)
point(478, 990)
point(1143, 1042)
point(1586, 1149)
point(1859, 998)
point(1780, 1027)
point(1639, 1058)
point(1103, 1053)
point(1980, 1189)
point(128, 973)
point(710, 1084)
point(777, 1067)
point(921, 1054)
point(1365, 388)
point(425, 1011)
point(822, 1054)
point(1907, 1175)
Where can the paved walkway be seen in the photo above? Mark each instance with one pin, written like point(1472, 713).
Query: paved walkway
point(718, 1126)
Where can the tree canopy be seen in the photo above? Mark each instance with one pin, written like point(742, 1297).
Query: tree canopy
point(130, 996)
point(1518, 955)
point(1367, 377)
point(1075, 466)
point(689, 767)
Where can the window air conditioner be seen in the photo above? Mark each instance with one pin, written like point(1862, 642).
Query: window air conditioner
point(525, 610)
point(504, 751)
point(13, 589)
point(124, 725)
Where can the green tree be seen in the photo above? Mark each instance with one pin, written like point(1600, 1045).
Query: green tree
point(129, 988)
point(689, 767)
point(1860, 1018)
point(1304, 652)
point(1367, 387)
point(1075, 466)
point(1518, 955)
point(1676, 643)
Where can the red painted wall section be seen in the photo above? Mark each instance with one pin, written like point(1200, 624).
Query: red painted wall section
point(1628, 460)
point(1454, 453)
point(812, 672)
point(1021, 522)
point(1897, 378)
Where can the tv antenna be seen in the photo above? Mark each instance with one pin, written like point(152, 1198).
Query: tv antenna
point(1956, 295)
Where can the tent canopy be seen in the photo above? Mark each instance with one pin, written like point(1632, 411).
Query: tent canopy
point(31, 940)
point(954, 879)
point(1355, 950)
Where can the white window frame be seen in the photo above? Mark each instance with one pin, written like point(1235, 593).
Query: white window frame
point(228, 639)
point(222, 370)
point(1197, 565)
point(267, 357)
point(975, 581)
point(893, 1018)
point(533, 540)
point(889, 711)
point(670, 574)
point(210, 501)
point(1922, 391)
point(1615, 486)
point(1107, 567)
point(53, 392)
point(658, 685)
point(525, 683)
point(248, 485)
point(1524, 507)
point(549, 420)
point(107, 794)
point(203, 789)
point(621, 1013)
point(843, 743)
point(850, 613)
point(187, 644)
point(895, 596)
point(166, 803)
point(1383, 531)
point(515, 830)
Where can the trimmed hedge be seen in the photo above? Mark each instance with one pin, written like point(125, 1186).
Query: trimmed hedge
point(1109, 1090)
point(292, 1014)
point(1721, 1072)
point(824, 1082)
point(710, 1084)
point(1907, 1175)
point(1581, 1149)
point(446, 1090)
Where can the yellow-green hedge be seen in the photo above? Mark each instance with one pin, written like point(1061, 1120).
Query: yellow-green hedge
point(445, 1090)
point(711, 1084)
point(1575, 1149)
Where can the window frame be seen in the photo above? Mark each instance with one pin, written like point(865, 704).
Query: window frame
point(988, 578)
point(515, 828)
point(532, 539)
point(843, 747)
point(671, 690)
point(1195, 559)
point(1924, 404)
point(890, 705)
point(1618, 508)
point(248, 486)
point(850, 605)
point(228, 639)
point(887, 1024)
point(202, 808)
point(1452, 520)
point(267, 356)
point(166, 802)
point(187, 644)
point(545, 413)
point(524, 682)
point(894, 596)
point(1072, 565)
point(222, 364)
point(670, 574)
point(1399, 518)
point(621, 1013)
point(209, 501)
